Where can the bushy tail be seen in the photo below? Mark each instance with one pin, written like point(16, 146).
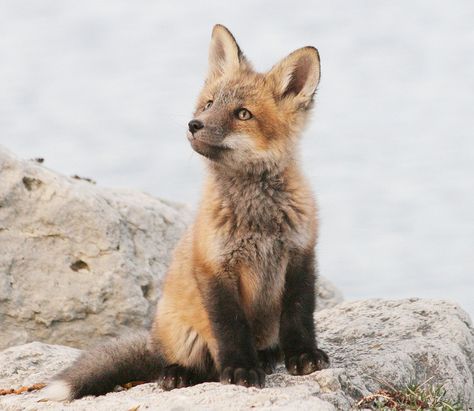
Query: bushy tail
point(100, 370)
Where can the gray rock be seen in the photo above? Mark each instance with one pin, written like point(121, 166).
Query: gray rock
point(328, 295)
point(389, 344)
point(78, 262)
point(372, 344)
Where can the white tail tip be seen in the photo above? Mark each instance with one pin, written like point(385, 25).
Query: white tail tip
point(58, 390)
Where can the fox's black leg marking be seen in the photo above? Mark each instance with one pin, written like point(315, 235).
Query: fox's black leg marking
point(297, 334)
point(269, 358)
point(237, 354)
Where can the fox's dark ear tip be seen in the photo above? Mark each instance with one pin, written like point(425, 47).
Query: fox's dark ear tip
point(219, 26)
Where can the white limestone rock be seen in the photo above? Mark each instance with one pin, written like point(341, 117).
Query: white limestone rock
point(78, 262)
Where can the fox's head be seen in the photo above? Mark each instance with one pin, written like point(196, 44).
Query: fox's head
point(249, 120)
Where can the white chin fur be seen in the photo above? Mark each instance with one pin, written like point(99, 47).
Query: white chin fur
point(57, 391)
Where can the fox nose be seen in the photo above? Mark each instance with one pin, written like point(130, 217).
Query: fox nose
point(195, 125)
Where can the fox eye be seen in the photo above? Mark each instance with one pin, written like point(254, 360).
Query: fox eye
point(243, 114)
point(208, 105)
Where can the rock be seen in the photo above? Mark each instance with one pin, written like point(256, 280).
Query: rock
point(79, 262)
point(372, 344)
point(376, 344)
point(328, 295)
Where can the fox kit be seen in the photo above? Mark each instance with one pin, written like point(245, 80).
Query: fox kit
point(240, 292)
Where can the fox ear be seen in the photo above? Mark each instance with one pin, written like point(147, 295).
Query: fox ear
point(297, 75)
point(224, 52)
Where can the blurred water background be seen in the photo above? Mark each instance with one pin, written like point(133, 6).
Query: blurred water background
point(105, 90)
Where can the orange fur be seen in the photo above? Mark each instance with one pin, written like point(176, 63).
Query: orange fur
point(266, 143)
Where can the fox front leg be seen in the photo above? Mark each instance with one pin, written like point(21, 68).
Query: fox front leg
point(297, 334)
point(237, 357)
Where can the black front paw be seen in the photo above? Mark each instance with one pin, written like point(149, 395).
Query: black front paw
point(306, 362)
point(269, 358)
point(176, 376)
point(247, 377)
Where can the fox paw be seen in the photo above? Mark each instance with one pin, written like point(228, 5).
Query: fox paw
point(307, 362)
point(269, 358)
point(247, 377)
point(176, 376)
